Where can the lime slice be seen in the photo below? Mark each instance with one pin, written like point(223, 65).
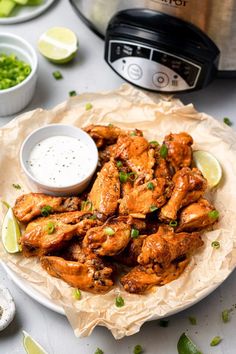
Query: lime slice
point(31, 346)
point(11, 233)
point(186, 346)
point(58, 44)
point(209, 166)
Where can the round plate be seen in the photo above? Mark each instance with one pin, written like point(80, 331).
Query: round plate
point(25, 13)
point(29, 290)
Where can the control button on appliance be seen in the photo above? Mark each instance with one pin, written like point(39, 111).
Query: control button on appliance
point(160, 79)
point(135, 72)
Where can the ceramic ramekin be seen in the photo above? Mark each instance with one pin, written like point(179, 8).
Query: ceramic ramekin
point(16, 98)
point(59, 130)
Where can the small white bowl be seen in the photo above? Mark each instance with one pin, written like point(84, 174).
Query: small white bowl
point(15, 98)
point(7, 307)
point(52, 130)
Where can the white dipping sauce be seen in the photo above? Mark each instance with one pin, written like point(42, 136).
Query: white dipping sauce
point(60, 161)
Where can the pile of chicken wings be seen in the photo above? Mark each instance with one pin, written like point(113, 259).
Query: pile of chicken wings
point(141, 218)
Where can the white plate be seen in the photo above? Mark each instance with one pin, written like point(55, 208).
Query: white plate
point(29, 290)
point(25, 13)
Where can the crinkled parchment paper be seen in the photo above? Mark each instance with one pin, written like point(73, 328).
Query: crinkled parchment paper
point(156, 116)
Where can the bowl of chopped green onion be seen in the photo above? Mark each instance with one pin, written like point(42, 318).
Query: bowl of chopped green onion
point(18, 73)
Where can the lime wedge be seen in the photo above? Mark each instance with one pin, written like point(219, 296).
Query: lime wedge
point(11, 233)
point(209, 166)
point(186, 346)
point(31, 346)
point(58, 44)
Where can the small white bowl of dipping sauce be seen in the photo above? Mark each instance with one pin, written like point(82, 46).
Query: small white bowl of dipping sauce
point(59, 159)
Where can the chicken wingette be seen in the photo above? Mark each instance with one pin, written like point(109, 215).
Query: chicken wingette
point(29, 206)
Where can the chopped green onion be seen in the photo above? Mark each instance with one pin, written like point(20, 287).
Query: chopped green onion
point(134, 233)
point(93, 217)
point(163, 151)
point(163, 323)
point(72, 93)
point(133, 133)
point(46, 210)
point(109, 231)
point(225, 316)
point(77, 294)
point(86, 205)
point(138, 349)
point(132, 176)
point(123, 176)
point(154, 142)
point(215, 341)
point(153, 208)
point(57, 75)
point(214, 214)
point(50, 227)
point(12, 71)
point(16, 186)
point(119, 164)
point(192, 320)
point(173, 223)
point(227, 121)
point(88, 106)
point(150, 186)
point(215, 244)
point(120, 301)
point(98, 351)
point(110, 125)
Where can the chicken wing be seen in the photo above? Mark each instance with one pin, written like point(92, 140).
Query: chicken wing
point(189, 186)
point(165, 246)
point(104, 134)
point(140, 279)
point(179, 150)
point(91, 275)
point(110, 238)
point(130, 254)
point(105, 192)
point(29, 206)
point(144, 198)
point(44, 235)
point(197, 216)
point(137, 154)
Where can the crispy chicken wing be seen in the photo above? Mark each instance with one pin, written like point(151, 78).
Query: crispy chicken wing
point(189, 186)
point(179, 150)
point(105, 192)
point(142, 199)
point(91, 275)
point(137, 154)
point(44, 235)
point(166, 245)
point(197, 216)
point(140, 279)
point(29, 206)
point(104, 134)
point(110, 238)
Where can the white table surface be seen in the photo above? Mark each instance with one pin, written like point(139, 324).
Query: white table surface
point(89, 72)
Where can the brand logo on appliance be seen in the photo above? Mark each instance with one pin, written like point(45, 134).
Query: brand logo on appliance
point(176, 3)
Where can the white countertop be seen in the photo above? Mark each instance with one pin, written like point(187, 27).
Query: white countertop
point(89, 72)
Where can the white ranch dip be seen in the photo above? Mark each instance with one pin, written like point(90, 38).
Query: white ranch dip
point(60, 161)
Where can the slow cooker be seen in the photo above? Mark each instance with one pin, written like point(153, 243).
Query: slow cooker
point(165, 45)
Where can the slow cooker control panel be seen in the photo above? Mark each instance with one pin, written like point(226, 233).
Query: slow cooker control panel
point(159, 52)
point(151, 68)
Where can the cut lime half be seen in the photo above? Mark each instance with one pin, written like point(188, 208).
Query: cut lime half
point(11, 233)
point(186, 346)
point(209, 166)
point(31, 346)
point(58, 44)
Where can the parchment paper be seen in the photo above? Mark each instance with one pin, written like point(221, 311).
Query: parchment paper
point(156, 116)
